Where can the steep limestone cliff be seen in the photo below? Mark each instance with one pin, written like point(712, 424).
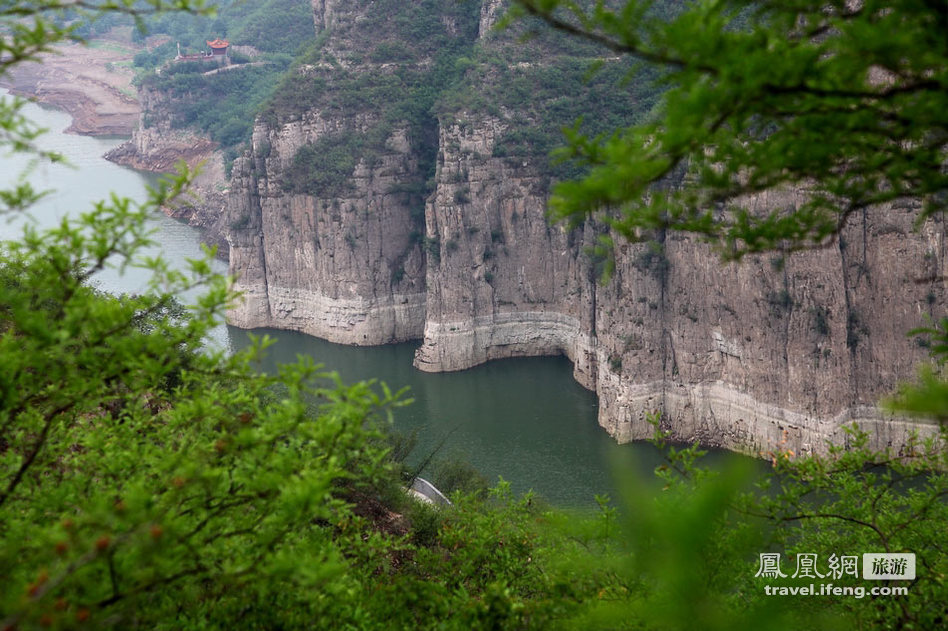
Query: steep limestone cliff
point(328, 237)
point(347, 268)
point(491, 11)
point(327, 212)
point(502, 281)
point(770, 352)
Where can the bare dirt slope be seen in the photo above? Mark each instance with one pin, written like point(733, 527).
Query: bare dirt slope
point(91, 82)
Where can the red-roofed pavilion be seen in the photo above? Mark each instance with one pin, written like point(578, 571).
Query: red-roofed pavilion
point(218, 46)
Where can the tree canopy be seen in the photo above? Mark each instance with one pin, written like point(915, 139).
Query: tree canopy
point(845, 100)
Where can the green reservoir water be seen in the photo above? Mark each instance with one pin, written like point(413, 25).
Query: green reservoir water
point(526, 420)
point(88, 178)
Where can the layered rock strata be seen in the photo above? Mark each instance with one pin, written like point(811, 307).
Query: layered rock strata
point(502, 282)
point(337, 256)
point(348, 269)
point(770, 354)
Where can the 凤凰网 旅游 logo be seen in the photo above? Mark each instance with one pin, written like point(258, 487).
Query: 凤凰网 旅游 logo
point(875, 566)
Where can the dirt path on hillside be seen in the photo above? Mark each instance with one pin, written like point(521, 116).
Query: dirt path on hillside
point(91, 82)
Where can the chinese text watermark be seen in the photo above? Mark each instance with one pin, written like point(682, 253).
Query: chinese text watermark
point(898, 566)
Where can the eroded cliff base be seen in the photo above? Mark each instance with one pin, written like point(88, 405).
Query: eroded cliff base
point(352, 221)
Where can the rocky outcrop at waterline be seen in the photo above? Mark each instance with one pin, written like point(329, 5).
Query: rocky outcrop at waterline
point(326, 215)
point(347, 268)
point(360, 220)
point(157, 145)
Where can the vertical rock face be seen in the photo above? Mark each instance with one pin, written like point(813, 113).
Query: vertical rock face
point(491, 11)
point(321, 14)
point(347, 268)
point(327, 212)
point(356, 220)
point(502, 282)
point(769, 351)
point(156, 145)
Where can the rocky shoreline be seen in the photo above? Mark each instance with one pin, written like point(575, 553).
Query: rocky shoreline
point(92, 83)
point(160, 147)
point(775, 354)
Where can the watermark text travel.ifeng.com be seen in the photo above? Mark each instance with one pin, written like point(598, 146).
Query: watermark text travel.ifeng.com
point(829, 589)
point(881, 566)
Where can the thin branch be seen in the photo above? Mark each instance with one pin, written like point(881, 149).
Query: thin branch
point(37, 447)
point(853, 520)
point(611, 44)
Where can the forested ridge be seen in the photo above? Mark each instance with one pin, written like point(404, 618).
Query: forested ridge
point(223, 105)
point(149, 482)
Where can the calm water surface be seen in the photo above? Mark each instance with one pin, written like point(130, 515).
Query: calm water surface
point(526, 420)
point(87, 178)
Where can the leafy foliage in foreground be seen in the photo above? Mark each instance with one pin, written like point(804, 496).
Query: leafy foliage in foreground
point(856, 501)
point(695, 543)
point(137, 471)
point(146, 482)
point(847, 101)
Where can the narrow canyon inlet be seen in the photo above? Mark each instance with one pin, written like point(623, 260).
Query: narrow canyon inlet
point(524, 419)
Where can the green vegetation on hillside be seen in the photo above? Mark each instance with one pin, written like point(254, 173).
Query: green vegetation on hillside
point(325, 167)
point(500, 78)
point(413, 59)
point(539, 99)
point(148, 482)
point(273, 26)
point(222, 104)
